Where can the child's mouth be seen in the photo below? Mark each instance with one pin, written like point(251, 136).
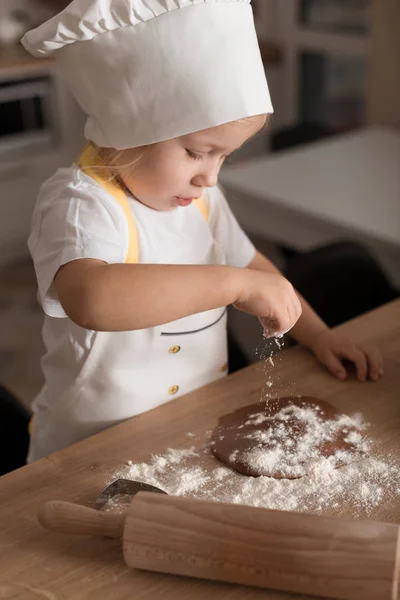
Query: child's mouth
point(183, 201)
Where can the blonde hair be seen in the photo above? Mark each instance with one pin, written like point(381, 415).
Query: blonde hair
point(110, 159)
point(265, 118)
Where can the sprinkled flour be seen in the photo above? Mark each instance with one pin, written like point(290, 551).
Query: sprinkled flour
point(195, 473)
point(285, 437)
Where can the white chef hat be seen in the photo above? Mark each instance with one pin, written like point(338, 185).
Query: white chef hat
point(145, 71)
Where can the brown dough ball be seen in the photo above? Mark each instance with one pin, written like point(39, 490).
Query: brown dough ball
point(284, 437)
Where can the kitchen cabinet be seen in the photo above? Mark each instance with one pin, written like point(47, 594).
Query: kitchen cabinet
point(27, 157)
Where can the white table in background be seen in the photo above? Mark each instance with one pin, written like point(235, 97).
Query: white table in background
point(346, 187)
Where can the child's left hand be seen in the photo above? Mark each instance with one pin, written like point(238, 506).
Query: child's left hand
point(331, 349)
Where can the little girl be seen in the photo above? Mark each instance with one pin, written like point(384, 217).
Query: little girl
point(136, 251)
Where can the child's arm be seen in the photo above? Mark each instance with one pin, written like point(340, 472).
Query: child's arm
point(121, 297)
point(329, 347)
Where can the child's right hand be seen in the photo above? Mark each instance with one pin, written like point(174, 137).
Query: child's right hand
point(271, 298)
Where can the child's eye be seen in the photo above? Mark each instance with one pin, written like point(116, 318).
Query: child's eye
point(193, 155)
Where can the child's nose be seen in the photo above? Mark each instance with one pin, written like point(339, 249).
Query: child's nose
point(207, 178)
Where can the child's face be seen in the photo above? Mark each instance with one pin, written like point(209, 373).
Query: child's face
point(174, 172)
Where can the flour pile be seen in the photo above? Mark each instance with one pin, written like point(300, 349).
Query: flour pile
point(361, 486)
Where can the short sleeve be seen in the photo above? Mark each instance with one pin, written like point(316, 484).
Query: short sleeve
point(74, 218)
point(238, 249)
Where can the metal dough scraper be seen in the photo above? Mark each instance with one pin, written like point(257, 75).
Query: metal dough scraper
point(123, 488)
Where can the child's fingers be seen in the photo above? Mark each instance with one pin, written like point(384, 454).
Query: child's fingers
point(359, 359)
point(334, 365)
point(374, 360)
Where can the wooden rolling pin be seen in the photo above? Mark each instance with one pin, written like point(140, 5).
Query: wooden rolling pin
point(308, 554)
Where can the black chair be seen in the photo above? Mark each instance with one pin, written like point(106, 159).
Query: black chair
point(340, 281)
point(237, 358)
point(14, 435)
point(297, 135)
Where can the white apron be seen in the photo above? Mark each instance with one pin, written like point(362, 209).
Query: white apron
point(127, 373)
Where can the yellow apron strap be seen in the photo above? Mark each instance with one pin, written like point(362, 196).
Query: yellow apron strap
point(88, 162)
point(202, 206)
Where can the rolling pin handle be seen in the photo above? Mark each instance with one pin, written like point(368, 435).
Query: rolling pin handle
point(74, 519)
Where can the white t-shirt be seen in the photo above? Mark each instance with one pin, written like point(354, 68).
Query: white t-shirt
point(76, 218)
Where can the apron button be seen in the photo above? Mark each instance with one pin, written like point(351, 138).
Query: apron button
point(173, 389)
point(224, 367)
point(174, 349)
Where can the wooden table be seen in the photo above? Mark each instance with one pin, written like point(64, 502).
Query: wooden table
point(37, 564)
